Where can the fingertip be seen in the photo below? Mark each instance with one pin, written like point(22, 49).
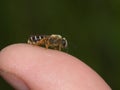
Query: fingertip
point(49, 69)
point(28, 61)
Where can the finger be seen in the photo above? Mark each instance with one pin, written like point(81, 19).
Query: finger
point(28, 67)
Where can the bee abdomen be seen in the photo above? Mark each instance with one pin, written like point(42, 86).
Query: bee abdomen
point(33, 39)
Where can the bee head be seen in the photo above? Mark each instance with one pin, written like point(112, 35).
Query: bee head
point(64, 42)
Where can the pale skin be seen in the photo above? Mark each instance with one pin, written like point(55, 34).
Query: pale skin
point(28, 67)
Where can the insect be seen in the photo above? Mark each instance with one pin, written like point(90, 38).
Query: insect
point(53, 41)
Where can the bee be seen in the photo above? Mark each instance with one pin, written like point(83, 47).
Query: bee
point(53, 41)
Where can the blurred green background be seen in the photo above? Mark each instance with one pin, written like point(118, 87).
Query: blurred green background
point(92, 28)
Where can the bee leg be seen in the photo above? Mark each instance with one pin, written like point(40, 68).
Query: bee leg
point(55, 48)
point(60, 48)
point(46, 46)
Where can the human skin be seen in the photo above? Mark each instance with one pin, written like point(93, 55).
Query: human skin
point(28, 67)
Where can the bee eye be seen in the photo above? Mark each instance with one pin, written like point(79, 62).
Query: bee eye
point(64, 42)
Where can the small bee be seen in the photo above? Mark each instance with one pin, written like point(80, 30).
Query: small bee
point(49, 41)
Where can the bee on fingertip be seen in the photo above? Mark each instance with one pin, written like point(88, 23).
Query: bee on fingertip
point(53, 41)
